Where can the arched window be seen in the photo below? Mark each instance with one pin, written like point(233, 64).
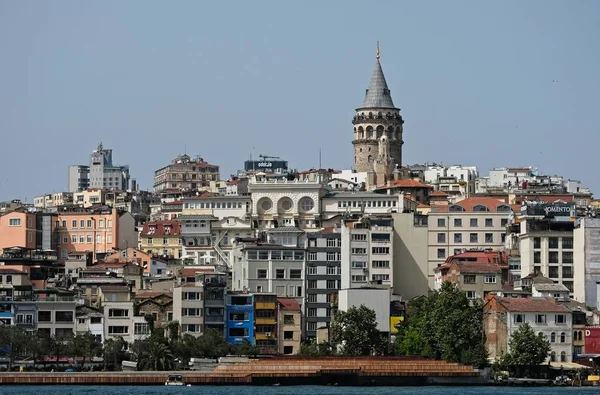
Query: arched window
point(563, 356)
point(361, 132)
point(553, 356)
point(563, 337)
point(455, 207)
point(502, 207)
point(553, 337)
point(370, 132)
point(370, 158)
point(479, 208)
point(379, 131)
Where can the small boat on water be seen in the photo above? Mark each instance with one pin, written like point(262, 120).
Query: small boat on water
point(175, 379)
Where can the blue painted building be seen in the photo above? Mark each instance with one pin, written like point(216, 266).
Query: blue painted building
point(239, 318)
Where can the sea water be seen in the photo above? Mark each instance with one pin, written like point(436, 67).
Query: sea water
point(286, 390)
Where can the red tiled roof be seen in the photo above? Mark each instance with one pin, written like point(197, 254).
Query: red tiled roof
point(532, 305)
point(468, 204)
point(191, 271)
point(152, 294)
point(233, 182)
point(438, 194)
point(289, 304)
point(159, 228)
point(330, 229)
point(495, 257)
point(421, 205)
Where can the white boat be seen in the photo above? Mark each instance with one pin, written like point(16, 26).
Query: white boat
point(175, 379)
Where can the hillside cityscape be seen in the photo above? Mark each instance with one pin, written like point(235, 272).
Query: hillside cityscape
point(267, 257)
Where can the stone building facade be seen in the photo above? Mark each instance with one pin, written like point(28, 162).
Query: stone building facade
point(378, 131)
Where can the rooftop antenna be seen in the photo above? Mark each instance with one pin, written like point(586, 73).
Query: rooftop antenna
point(320, 167)
point(377, 50)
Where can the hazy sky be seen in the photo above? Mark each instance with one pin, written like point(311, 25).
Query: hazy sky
point(474, 80)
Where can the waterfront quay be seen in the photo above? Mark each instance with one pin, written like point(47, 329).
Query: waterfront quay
point(281, 371)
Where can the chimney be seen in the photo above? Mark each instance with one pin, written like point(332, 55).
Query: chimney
point(133, 185)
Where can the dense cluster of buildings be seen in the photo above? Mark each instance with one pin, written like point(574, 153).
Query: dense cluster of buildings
point(269, 254)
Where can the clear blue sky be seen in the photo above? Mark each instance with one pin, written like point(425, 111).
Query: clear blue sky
point(474, 81)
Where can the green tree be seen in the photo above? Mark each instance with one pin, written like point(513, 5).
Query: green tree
point(85, 346)
point(526, 348)
point(444, 325)
point(212, 344)
point(356, 331)
point(13, 341)
point(314, 349)
point(113, 353)
point(39, 346)
point(156, 356)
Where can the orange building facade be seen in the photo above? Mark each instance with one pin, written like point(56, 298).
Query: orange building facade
point(17, 229)
point(88, 231)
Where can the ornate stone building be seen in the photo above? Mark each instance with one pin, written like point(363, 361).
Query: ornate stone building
point(378, 132)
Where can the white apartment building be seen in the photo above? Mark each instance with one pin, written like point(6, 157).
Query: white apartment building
point(117, 308)
point(473, 223)
point(503, 316)
point(367, 253)
point(90, 320)
point(278, 202)
point(101, 173)
point(188, 308)
point(210, 224)
point(454, 180)
point(586, 249)
point(546, 242)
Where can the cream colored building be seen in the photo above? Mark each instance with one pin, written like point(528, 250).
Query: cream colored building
point(188, 307)
point(117, 305)
point(290, 326)
point(474, 223)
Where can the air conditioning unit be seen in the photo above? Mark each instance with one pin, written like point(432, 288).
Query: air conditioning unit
point(268, 334)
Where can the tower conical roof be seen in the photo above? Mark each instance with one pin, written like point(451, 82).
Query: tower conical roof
point(378, 95)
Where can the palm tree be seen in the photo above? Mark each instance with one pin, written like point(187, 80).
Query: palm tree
point(156, 356)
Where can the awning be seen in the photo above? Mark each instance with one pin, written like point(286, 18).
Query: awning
point(567, 366)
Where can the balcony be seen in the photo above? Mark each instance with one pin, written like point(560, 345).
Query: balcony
point(214, 319)
point(265, 336)
point(265, 306)
point(265, 321)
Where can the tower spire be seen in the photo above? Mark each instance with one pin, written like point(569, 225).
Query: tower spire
point(377, 50)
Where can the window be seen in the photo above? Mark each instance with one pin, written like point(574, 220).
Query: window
point(89, 223)
point(441, 253)
point(567, 257)
point(312, 270)
point(381, 264)
point(109, 238)
point(63, 316)
point(118, 330)
point(567, 272)
point(296, 273)
point(74, 224)
point(141, 328)
point(553, 271)
point(312, 284)
point(380, 250)
point(359, 279)
point(263, 255)
point(473, 238)
point(489, 222)
point(191, 312)
point(504, 222)
point(489, 237)
point(553, 242)
point(567, 243)
point(14, 222)
point(441, 237)
point(540, 318)
point(311, 312)
point(563, 337)
point(359, 251)
point(359, 265)
point(312, 256)
point(471, 294)
point(490, 279)
point(473, 222)
point(457, 222)
point(519, 318)
point(469, 279)
point(333, 256)
point(553, 337)
point(537, 242)
point(331, 284)
point(280, 273)
point(560, 319)
point(118, 313)
point(441, 222)
point(261, 273)
point(537, 257)
point(81, 239)
point(82, 223)
point(44, 316)
point(381, 277)
point(312, 298)
point(89, 239)
point(553, 257)
point(458, 237)
point(355, 237)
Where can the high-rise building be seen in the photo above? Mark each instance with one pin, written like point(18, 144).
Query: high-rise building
point(100, 173)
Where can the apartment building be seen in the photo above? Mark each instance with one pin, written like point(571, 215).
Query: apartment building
point(279, 202)
point(546, 241)
point(290, 326)
point(55, 312)
point(51, 200)
point(18, 229)
point(90, 197)
point(100, 173)
point(586, 272)
point(265, 323)
point(323, 277)
point(157, 304)
point(503, 316)
point(188, 307)
point(276, 267)
point(366, 252)
point(185, 173)
point(239, 319)
point(101, 230)
point(209, 224)
point(117, 307)
point(215, 289)
point(161, 238)
point(89, 319)
point(473, 223)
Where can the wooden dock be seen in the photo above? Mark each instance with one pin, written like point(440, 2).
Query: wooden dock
point(283, 371)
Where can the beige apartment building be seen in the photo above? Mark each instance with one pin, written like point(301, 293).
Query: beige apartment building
point(474, 223)
point(185, 173)
point(290, 326)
